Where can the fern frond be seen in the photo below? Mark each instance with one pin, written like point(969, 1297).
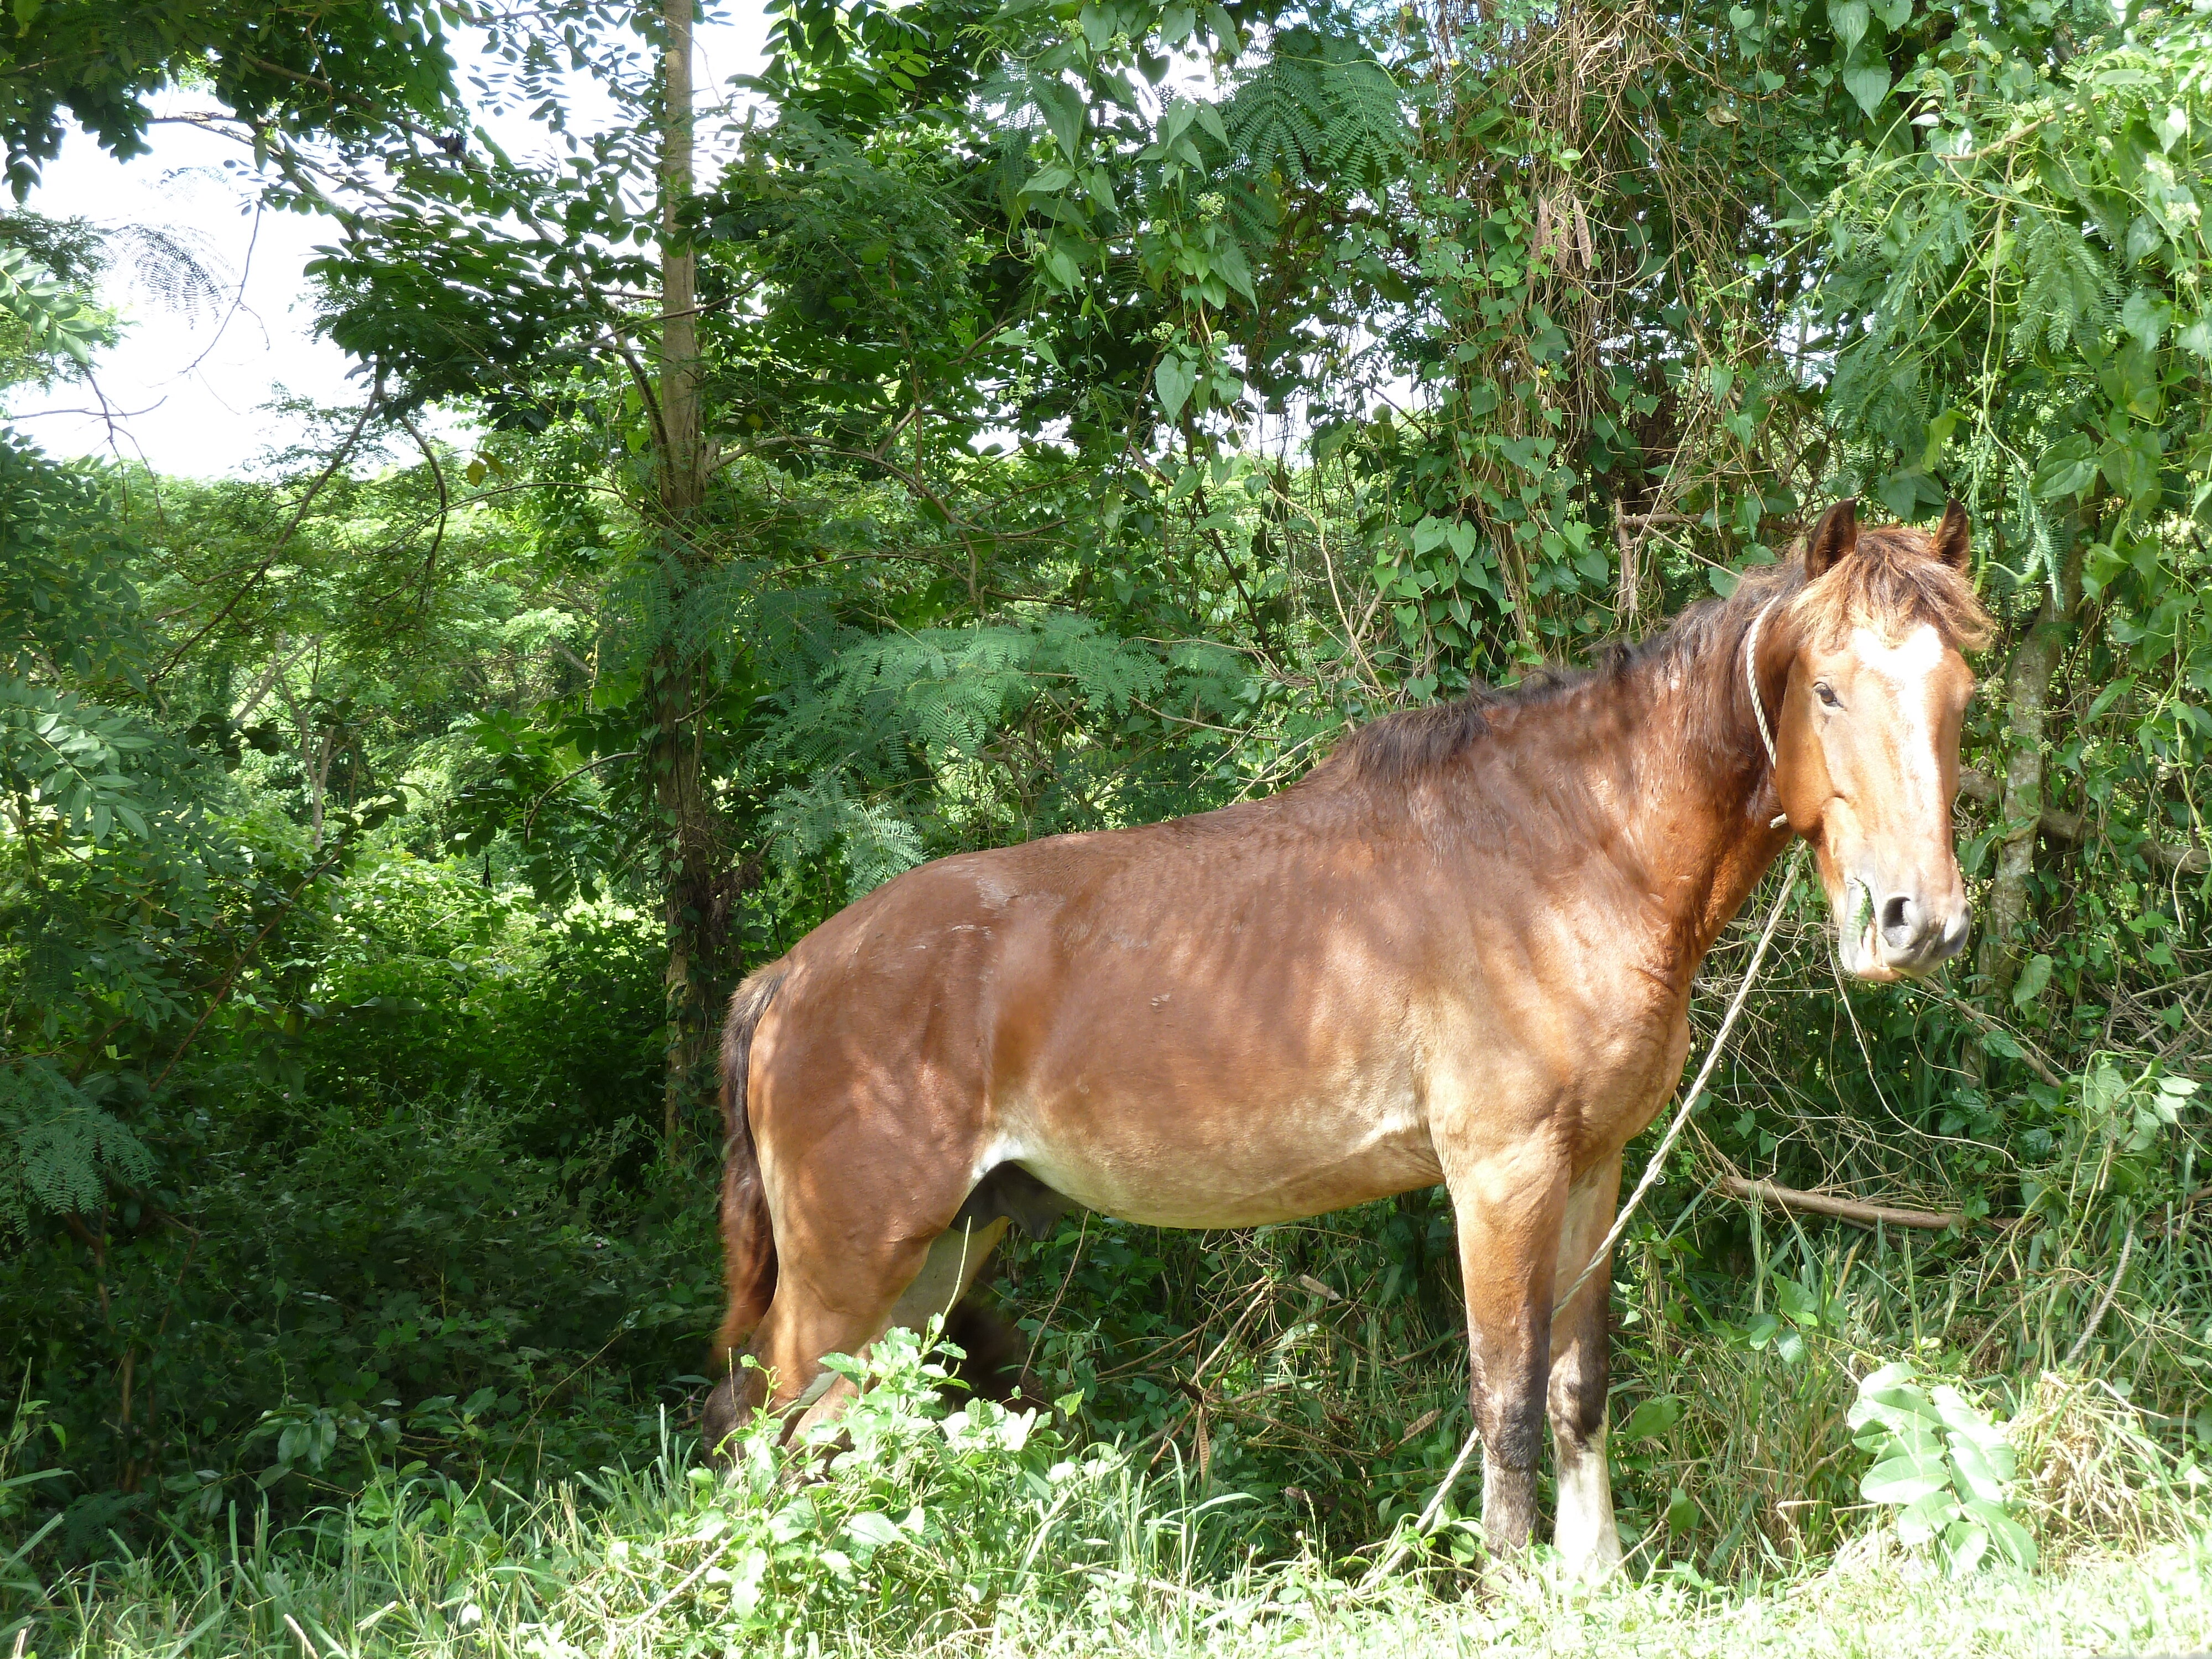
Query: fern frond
point(1278, 122)
point(1320, 108)
point(58, 1149)
point(2065, 286)
point(1368, 134)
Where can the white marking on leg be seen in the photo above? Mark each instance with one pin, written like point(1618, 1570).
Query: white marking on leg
point(1585, 1534)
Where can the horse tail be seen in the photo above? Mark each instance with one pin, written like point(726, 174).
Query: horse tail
point(748, 1259)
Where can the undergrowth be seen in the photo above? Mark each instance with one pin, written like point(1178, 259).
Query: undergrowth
point(406, 1325)
point(924, 1527)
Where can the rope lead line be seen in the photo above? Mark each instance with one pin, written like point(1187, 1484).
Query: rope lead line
point(1651, 1173)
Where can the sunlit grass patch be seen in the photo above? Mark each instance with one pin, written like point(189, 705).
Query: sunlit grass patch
point(921, 1528)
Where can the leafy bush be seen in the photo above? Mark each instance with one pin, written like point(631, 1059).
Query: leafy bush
point(397, 1204)
point(1944, 1465)
point(403, 1285)
point(922, 1519)
point(431, 983)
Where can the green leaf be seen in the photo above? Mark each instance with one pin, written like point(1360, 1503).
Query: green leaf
point(1965, 1543)
point(1173, 379)
point(1901, 491)
point(1886, 1381)
point(2068, 468)
point(1867, 83)
point(1903, 1479)
point(1061, 105)
point(1059, 265)
point(1938, 434)
point(2146, 316)
point(1651, 1419)
point(1849, 18)
point(2012, 1539)
point(2111, 695)
point(2033, 978)
point(1226, 37)
point(1978, 1475)
point(1237, 273)
point(1924, 1519)
point(871, 1530)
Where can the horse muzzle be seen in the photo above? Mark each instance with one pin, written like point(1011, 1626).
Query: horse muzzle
point(1900, 935)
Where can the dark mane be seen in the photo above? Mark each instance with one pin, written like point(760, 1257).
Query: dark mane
point(1890, 581)
point(1409, 741)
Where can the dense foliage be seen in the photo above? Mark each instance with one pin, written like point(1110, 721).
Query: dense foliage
point(1079, 412)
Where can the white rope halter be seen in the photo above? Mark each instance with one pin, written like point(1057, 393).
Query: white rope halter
point(1758, 704)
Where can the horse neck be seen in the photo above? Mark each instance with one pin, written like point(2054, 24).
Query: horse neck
point(1697, 815)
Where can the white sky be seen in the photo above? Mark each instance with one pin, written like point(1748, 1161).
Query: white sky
point(187, 393)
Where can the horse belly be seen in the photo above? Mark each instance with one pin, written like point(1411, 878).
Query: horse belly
point(1231, 1159)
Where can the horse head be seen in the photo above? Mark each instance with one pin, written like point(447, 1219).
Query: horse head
point(1867, 734)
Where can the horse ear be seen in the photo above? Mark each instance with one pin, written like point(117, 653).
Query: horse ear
point(1834, 538)
point(1953, 543)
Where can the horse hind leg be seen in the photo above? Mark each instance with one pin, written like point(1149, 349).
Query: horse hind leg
point(821, 1304)
point(905, 1285)
point(939, 1290)
point(901, 1286)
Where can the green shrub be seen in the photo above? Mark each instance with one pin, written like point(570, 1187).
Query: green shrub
point(1943, 1465)
point(923, 1519)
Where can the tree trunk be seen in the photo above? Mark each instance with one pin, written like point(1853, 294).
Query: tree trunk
point(695, 899)
point(2027, 698)
point(695, 908)
point(681, 482)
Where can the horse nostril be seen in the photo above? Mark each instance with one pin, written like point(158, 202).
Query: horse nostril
point(1899, 920)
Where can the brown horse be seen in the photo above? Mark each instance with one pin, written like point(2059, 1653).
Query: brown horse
point(1460, 951)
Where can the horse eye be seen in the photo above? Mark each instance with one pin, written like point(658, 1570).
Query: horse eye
point(1821, 689)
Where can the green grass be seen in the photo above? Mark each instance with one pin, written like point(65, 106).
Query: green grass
point(574, 1591)
point(918, 1532)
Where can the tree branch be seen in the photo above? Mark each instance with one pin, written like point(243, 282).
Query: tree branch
point(1843, 1209)
point(2072, 830)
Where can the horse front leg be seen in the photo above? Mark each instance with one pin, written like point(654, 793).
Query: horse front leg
point(1584, 1533)
point(1508, 1205)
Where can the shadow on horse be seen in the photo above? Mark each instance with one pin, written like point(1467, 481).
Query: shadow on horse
point(1460, 950)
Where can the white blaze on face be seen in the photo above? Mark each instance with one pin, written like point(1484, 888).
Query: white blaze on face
point(1906, 667)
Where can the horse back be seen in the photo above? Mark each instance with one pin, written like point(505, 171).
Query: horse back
point(1219, 1020)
